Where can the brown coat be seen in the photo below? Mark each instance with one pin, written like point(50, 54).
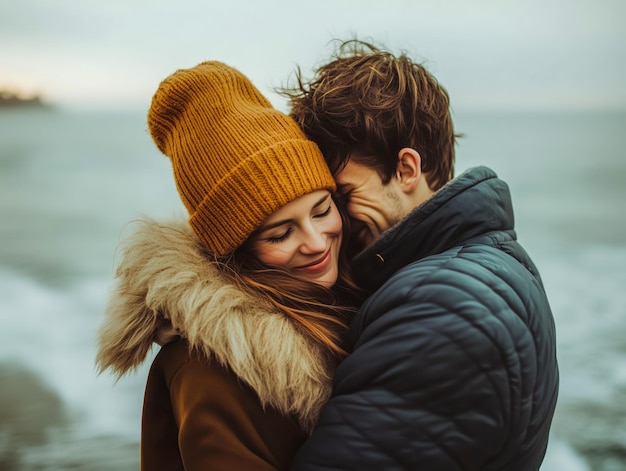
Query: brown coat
point(244, 389)
point(197, 415)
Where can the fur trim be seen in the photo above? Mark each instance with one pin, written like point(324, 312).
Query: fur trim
point(164, 274)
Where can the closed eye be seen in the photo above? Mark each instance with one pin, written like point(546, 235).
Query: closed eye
point(280, 238)
point(343, 192)
point(325, 213)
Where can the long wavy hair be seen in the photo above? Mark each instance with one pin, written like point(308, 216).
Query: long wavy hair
point(321, 313)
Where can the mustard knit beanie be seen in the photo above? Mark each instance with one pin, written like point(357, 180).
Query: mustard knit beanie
point(235, 158)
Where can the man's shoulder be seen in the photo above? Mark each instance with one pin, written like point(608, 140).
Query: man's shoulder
point(471, 273)
point(457, 263)
point(467, 285)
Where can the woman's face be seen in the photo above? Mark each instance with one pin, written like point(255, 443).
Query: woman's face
point(304, 237)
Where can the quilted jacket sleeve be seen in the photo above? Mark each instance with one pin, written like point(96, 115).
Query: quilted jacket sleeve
point(434, 381)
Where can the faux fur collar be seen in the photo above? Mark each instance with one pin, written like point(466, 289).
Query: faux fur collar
point(164, 274)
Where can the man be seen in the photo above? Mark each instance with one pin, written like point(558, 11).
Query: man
point(453, 363)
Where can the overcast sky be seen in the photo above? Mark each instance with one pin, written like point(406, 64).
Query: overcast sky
point(487, 53)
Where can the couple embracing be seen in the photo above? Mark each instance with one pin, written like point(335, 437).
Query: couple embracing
point(337, 299)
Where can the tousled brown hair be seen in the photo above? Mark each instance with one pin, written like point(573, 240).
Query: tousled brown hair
point(367, 104)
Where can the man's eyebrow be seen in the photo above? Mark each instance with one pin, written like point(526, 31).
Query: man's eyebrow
point(287, 221)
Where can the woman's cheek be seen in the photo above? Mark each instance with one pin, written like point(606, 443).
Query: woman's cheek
point(274, 255)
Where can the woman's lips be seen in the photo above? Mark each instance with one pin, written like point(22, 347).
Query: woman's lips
point(318, 265)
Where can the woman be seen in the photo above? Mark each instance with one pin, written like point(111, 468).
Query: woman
point(253, 283)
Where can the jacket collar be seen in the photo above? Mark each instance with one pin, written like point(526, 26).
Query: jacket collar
point(164, 274)
point(475, 203)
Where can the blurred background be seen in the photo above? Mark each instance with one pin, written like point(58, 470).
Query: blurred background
point(538, 87)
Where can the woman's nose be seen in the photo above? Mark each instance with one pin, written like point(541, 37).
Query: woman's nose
point(313, 241)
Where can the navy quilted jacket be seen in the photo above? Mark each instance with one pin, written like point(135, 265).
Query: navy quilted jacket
point(454, 363)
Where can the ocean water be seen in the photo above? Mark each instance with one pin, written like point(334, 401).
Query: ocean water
point(70, 181)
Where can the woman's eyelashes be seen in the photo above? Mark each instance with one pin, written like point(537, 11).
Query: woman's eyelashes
point(282, 237)
point(325, 213)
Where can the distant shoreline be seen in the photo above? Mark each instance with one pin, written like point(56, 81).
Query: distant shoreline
point(12, 100)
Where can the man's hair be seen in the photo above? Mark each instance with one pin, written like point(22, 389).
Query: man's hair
point(367, 104)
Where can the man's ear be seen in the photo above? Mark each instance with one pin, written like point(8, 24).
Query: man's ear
point(409, 169)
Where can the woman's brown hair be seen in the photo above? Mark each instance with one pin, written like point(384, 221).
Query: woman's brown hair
point(321, 313)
